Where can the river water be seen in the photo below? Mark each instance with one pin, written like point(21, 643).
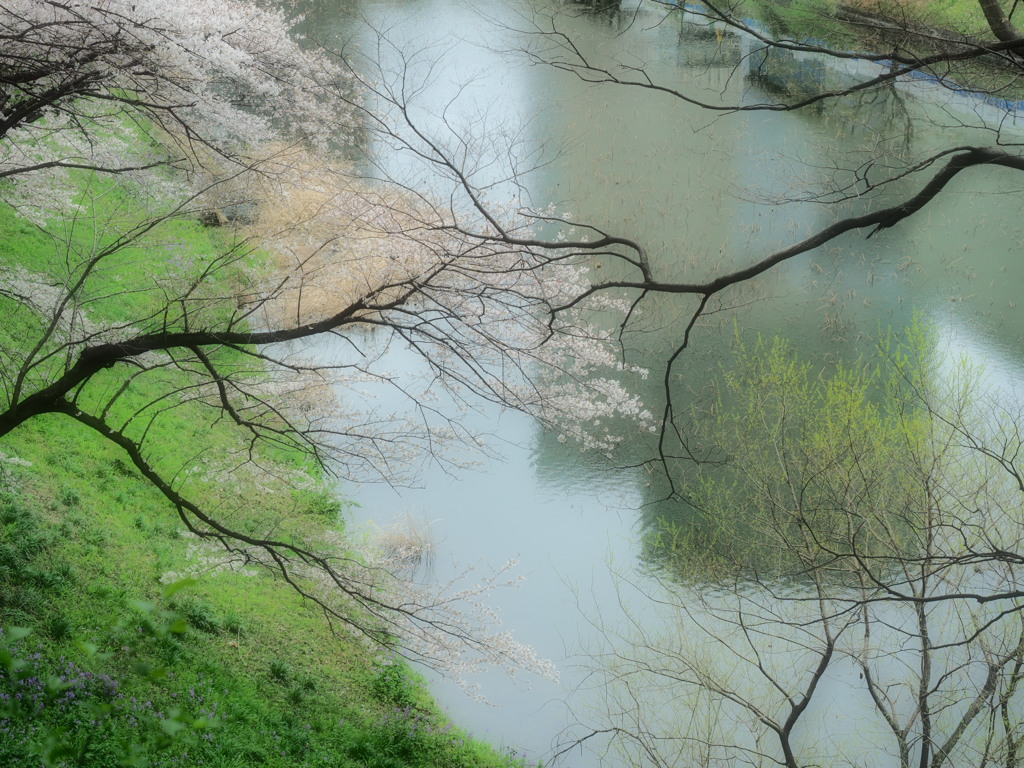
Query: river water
point(703, 192)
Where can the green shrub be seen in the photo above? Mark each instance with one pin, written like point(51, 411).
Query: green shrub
point(58, 627)
point(391, 685)
point(325, 506)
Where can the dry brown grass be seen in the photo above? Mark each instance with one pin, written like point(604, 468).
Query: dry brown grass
point(335, 238)
point(407, 544)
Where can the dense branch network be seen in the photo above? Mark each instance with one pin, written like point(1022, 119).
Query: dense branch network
point(878, 549)
point(487, 307)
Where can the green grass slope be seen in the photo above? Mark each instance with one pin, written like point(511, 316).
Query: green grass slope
point(109, 658)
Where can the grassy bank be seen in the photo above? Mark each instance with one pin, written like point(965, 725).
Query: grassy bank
point(108, 655)
point(818, 18)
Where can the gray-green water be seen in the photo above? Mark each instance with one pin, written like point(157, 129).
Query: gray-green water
point(697, 189)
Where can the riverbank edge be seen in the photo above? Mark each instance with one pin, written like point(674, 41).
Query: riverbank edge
point(816, 21)
point(933, 26)
point(106, 660)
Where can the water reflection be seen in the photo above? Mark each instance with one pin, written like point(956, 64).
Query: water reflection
point(609, 11)
point(833, 608)
point(776, 74)
point(709, 45)
point(704, 195)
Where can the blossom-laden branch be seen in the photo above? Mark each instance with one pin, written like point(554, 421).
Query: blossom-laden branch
point(109, 85)
point(327, 256)
point(350, 269)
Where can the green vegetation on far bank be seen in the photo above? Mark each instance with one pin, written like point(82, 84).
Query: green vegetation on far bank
point(108, 655)
point(822, 18)
point(917, 31)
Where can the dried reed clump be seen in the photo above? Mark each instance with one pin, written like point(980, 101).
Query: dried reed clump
point(407, 545)
point(335, 238)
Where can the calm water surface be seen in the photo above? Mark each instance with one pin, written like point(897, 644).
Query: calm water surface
point(698, 190)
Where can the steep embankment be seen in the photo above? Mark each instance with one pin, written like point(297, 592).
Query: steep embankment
point(107, 656)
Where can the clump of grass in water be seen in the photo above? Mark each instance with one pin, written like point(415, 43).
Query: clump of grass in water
point(407, 545)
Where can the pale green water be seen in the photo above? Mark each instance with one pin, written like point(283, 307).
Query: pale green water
point(685, 183)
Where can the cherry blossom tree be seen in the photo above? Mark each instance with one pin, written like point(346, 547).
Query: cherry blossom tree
point(124, 87)
point(284, 332)
point(358, 270)
point(279, 335)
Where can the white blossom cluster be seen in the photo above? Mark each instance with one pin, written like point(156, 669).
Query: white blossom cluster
point(487, 316)
point(204, 559)
point(106, 84)
point(221, 92)
point(8, 480)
